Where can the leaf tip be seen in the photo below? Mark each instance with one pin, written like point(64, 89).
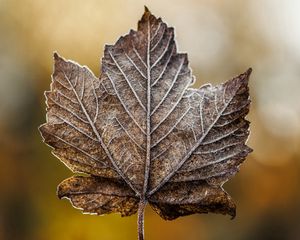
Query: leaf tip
point(63, 189)
point(146, 14)
point(59, 192)
point(233, 214)
point(231, 209)
point(147, 9)
point(41, 130)
point(248, 72)
point(55, 55)
point(249, 149)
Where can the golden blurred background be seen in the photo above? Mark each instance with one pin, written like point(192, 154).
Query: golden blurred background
point(223, 39)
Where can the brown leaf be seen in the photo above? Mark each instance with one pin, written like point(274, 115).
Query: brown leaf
point(99, 195)
point(186, 198)
point(142, 134)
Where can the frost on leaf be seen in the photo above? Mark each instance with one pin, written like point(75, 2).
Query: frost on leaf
point(141, 133)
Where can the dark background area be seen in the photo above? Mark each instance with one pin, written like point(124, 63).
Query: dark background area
point(223, 39)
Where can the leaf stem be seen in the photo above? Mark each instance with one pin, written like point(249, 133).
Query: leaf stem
point(141, 212)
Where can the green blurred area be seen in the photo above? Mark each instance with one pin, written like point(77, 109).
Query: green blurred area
point(223, 39)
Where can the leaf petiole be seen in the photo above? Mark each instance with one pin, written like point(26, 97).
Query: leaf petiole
point(140, 220)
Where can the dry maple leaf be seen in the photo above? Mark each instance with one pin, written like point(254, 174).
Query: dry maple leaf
point(141, 134)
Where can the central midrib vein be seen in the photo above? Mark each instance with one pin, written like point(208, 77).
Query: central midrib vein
point(148, 118)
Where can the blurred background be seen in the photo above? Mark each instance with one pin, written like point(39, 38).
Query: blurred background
point(223, 39)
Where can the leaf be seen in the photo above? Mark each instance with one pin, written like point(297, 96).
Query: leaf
point(142, 134)
point(99, 195)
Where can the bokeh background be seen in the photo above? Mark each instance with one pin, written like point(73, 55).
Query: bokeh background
point(223, 39)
